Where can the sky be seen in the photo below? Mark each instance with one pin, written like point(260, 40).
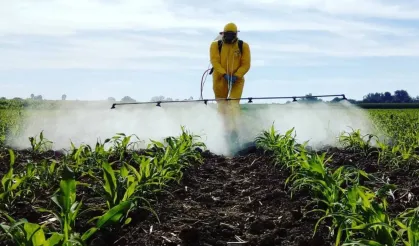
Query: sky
point(92, 50)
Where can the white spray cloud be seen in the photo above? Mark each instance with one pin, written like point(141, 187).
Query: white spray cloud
point(319, 123)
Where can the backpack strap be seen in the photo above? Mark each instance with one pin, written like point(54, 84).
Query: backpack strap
point(240, 43)
point(220, 45)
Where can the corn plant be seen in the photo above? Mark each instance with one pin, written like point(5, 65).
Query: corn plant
point(283, 146)
point(120, 145)
point(328, 186)
point(47, 173)
point(10, 122)
point(170, 157)
point(268, 140)
point(83, 159)
point(40, 146)
point(397, 154)
point(363, 220)
point(186, 146)
point(10, 184)
point(24, 233)
point(69, 207)
point(150, 178)
point(356, 142)
point(119, 188)
point(408, 221)
point(400, 127)
point(65, 199)
point(108, 218)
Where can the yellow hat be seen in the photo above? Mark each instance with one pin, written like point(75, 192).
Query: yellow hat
point(230, 27)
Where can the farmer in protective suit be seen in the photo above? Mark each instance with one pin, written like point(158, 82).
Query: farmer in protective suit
point(229, 67)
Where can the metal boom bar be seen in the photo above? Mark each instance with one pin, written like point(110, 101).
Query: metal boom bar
point(250, 100)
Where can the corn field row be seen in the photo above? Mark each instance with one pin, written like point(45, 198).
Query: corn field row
point(122, 179)
point(55, 198)
point(351, 200)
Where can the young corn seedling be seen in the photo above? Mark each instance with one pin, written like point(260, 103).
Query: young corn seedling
point(355, 142)
point(170, 157)
point(396, 154)
point(365, 221)
point(150, 179)
point(24, 233)
point(69, 207)
point(268, 140)
point(408, 221)
point(47, 173)
point(120, 187)
point(328, 186)
point(83, 159)
point(284, 147)
point(159, 166)
point(189, 149)
point(40, 146)
point(10, 183)
point(100, 151)
point(65, 199)
point(406, 153)
point(121, 144)
point(29, 180)
point(108, 218)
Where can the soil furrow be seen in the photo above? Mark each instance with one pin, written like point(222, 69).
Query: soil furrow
point(228, 200)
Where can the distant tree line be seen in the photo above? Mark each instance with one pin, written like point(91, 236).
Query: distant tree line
point(128, 99)
point(399, 96)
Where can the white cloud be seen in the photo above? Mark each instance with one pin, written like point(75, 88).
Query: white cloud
point(168, 34)
point(401, 9)
point(65, 17)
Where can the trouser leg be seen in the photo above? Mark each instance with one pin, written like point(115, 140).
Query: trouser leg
point(230, 110)
point(220, 88)
point(234, 105)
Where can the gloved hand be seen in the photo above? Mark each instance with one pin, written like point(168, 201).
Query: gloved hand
point(226, 77)
point(230, 78)
point(234, 78)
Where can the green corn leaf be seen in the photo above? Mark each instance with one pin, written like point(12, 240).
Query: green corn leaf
point(110, 183)
point(363, 242)
point(111, 216)
point(55, 239)
point(34, 234)
point(67, 189)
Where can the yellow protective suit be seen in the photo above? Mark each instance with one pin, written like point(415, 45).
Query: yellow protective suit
point(229, 61)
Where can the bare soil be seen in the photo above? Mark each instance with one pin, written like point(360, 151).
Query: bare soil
point(225, 201)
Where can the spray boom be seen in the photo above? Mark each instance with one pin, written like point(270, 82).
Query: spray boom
point(249, 99)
